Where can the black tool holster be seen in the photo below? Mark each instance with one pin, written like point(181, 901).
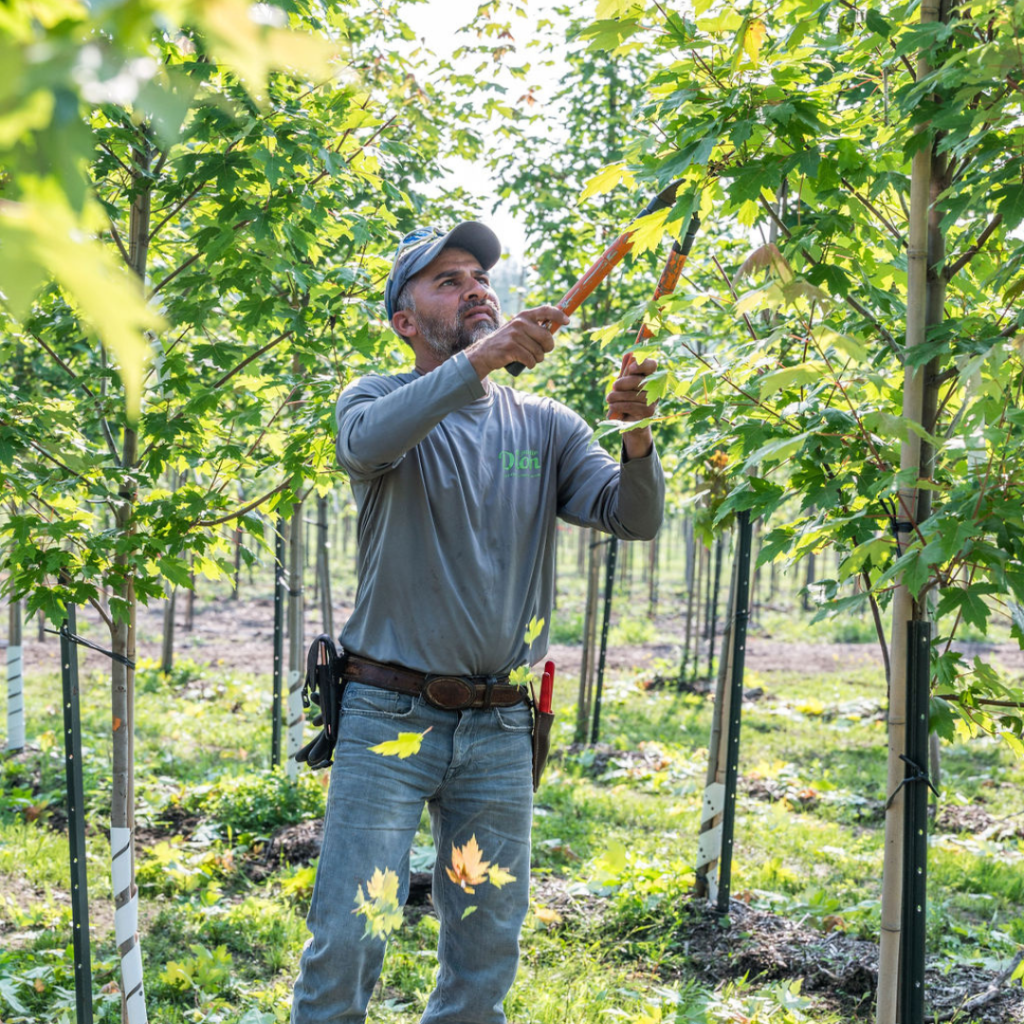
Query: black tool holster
point(323, 687)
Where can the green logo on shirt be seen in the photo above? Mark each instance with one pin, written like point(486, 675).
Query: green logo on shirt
point(524, 462)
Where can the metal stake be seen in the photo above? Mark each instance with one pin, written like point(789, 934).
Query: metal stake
point(275, 711)
point(609, 581)
point(76, 824)
point(735, 708)
point(915, 824)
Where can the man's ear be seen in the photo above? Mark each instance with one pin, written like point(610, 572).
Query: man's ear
point(404, 324)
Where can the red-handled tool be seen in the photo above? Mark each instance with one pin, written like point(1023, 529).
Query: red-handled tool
point(605, 263)
point(547, 688)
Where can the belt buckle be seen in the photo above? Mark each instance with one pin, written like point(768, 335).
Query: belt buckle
point(466, 686)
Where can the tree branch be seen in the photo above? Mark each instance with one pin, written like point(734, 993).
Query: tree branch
point(951, 271)
point(878, 213)
point(104, 426)
point(188, 263)
point(248, 359)
point(851, 302)
point(245, 509)
point(120, 245)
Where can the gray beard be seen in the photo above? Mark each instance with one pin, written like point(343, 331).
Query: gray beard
point(445, 337)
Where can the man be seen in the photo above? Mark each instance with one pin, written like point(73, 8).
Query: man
point(459, 482)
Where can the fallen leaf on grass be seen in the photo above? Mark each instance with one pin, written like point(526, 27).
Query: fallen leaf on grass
point(547, 917)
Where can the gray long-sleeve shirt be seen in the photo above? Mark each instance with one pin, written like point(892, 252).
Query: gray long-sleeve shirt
point(458, 487)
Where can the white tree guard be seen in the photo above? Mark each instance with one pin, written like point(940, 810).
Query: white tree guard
point(126, 925)
point(15, 700)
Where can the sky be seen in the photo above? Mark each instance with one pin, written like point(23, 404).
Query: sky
point(435, 23)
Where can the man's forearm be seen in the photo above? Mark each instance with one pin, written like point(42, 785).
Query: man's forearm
point(638, 444)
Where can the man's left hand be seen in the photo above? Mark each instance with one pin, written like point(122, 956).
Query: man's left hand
point(628, 401)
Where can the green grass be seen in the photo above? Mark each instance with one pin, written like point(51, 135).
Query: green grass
point(621, 834)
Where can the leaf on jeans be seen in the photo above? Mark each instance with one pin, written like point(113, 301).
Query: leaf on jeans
point(407, 744)
point(468, 866)
point(499, 877)
point(467, 912)
point(380, 904)
point(533, 630)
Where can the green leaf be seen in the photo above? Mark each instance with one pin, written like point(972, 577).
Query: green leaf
point(878, 24)
point(1011, 206)
point(790, 377)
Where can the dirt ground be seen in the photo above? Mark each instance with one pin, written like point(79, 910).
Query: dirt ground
point(240, 635)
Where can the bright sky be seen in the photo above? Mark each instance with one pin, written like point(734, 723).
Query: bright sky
point(436, 22)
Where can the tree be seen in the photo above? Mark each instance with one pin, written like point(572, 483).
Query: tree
point(167, 189)
point(801, 121)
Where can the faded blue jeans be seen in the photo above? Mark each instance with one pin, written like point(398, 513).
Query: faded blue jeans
point(474, 772)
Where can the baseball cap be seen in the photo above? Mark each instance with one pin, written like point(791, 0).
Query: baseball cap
point(420, 246)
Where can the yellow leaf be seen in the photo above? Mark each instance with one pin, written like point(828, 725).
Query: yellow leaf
point(469, 910)
point(499, 877)
point(380, 904)
point(604, 181)
point(753, 37)
point(609, 9)
point(547, 916)
point(533, 630)
point(42, 238)
point(468, 866)
point(648, 231)
point(407, 744)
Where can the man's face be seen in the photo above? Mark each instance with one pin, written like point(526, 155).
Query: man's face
point(454, 304)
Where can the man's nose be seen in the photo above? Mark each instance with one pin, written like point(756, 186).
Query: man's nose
point(475, 289)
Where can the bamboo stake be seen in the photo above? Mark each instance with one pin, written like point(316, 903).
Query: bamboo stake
point(904, 608)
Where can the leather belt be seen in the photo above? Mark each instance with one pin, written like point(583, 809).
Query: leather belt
point(449, 693)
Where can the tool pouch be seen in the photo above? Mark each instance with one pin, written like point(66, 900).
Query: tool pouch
point(542, 722)
point(323, 687)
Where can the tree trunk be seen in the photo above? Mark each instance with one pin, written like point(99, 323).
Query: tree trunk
point(690, 585)
point(905, 607)
point(296, 640)
point(190, 602)
point(652, 578)
point(587, 659)
point(167, 643)
point(809, 579)
point(122, 809)
point(15, 681)
point(323, 567)
point(713, 608)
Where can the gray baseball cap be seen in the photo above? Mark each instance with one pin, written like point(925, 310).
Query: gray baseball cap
point(420, 246)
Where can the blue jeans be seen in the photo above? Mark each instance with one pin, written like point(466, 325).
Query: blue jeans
point(474, 772)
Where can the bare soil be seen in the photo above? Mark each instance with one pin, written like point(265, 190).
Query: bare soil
point(239, 635)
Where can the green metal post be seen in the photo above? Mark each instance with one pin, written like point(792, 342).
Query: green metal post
point(275, 729)
point(76, 823)
point(915, 824)
point(739, 632)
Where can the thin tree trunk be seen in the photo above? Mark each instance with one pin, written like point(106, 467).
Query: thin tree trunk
point(905, 607)
point(167, 642)
point(652, 578)
point(713, 623)
point(812, 575)
point(587, 657)
point(122, 810)
point(690, 575)
point(323, 563)
point(15, 681)
point(296, 639)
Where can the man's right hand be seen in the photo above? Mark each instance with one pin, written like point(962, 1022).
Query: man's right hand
point(527, 338)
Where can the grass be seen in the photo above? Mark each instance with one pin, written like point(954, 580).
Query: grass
point(614, 833)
